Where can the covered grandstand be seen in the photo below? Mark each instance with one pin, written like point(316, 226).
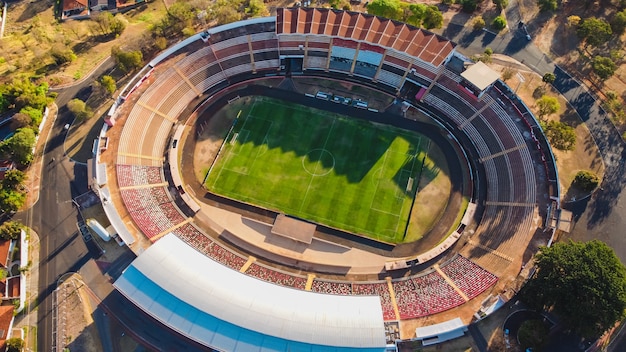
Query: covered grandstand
point(205, 296)
point(229, 311)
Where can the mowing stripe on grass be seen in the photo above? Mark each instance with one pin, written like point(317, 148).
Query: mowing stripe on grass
point(338, 171)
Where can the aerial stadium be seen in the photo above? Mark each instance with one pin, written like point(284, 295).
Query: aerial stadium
point(322, 180)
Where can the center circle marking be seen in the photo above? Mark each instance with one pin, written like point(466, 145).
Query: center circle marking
point(319, 156)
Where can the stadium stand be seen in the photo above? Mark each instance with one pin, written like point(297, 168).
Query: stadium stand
point(385, 52)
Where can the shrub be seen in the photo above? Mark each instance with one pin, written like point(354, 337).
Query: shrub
point(479, 23)
point(501, 4)
point(507, 74)
point(499, 23)
point(547, 5)
point(586, 180)
point(11, 230)
point(469, 5)
point(560, 135)
point(604, 67)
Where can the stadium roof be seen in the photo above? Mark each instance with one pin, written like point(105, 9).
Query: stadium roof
point(226, 310)
point(416, 42)
point(480, 75)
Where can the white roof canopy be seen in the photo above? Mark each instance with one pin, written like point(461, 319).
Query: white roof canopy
point(227, 310)
point(480, 75)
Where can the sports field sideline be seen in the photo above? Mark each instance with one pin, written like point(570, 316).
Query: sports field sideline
point(338, 171)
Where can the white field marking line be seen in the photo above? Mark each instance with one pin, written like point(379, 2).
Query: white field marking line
point(265, 140)
point(227, 155)
point(382, 168)
point(316, 166)
point(404, 202)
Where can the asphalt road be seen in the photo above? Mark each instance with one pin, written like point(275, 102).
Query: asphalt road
point(54, 216)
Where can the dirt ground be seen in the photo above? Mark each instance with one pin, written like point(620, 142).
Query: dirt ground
point(562, 45)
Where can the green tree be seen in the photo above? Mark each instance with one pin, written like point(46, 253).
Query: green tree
point(79, 109)
point(160, 43)
point(62, 55)
point(10, 230)
point(36, 115)
point(604, 67)
point(583, 283)
point(499, 23)
point(13, 179)
point(561, 135)
point(433, 18)
point(547, 5)
point(108, 83)
point(549, 78)
point(257, 8)
point(226, 11)
point(618, 23)
point(501, 4)
point(586, 180)
point(478, 24)
point(385, 8)
point(22, 92)
point(117, 26)
point(469, 5)
point(11, 201)
point(15, 344)
point(127, 60)
point(19, 147)
point(594, 31)
point(547, 105)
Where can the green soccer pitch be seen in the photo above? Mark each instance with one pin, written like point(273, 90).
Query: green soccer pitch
point(341, 172)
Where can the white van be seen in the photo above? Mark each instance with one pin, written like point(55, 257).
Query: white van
point(322, 95)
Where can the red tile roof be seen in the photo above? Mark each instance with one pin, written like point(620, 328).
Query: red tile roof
point(4, 252)
point(14, 287)
point(416, 42)
point(6, 317)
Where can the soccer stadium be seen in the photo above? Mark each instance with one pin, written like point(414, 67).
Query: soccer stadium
point(322, 180)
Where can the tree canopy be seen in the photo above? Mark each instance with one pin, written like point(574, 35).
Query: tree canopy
point(548, 5)
point(10, 230)
point(604, 67)
point(547, 105)
point(586, 180)
point(127, 60)
point(594, 31)
point(549, 78)
point(499, 23)
point(79, 109)
point(19, 147)
point(501, 4)
point(14, 344)
point(108, 83)
point(618, 23)
point(561, 135)
point(21, 93)
point(419, 15)
point(583, 283)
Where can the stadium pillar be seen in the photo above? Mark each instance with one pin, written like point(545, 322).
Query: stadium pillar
point(432, 84)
